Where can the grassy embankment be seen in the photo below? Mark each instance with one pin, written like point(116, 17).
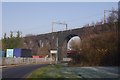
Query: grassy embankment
point(52, 71)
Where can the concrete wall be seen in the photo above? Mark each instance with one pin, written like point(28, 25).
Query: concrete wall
point(22, 61)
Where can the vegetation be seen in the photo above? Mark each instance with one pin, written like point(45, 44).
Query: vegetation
point(53, 72)
point(11, 42)
point(101, 49)
point(100, 45)
point(42, 72)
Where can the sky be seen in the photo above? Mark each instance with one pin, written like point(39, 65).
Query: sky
point(37, 17)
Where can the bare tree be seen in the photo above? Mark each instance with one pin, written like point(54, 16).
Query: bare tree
point(113, 16)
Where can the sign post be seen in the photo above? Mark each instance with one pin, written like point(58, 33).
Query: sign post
point(54, 55)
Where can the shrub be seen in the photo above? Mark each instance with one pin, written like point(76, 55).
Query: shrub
point(101, 49)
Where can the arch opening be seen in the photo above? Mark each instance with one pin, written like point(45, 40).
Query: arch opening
point(70, 36)
point(70, 39)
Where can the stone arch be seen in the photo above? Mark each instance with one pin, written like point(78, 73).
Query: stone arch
point(70, 36)
point(64, 44)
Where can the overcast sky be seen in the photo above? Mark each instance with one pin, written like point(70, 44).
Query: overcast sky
point(37, 17)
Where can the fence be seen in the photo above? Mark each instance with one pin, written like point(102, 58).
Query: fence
point(20, 61)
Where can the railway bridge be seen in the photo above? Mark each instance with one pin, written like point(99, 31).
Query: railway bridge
point(43, 43)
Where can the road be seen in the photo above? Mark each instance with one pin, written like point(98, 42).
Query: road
point(20, 71)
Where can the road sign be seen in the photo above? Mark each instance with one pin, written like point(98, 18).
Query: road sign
point(53, 51)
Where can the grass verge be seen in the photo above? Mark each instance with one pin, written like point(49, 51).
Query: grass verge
point(51, 71)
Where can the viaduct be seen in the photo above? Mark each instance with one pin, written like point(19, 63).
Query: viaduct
point(43, 43)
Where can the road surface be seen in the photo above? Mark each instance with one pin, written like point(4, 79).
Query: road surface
point(84, 72)
point(20, 71)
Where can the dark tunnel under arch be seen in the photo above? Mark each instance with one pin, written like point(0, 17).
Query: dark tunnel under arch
point(70, 36)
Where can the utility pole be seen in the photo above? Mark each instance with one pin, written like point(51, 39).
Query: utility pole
point(105, 14)
point(59, 24)
point(115, 11)
point(53, 26)
point(53, 31)
point(57, 40)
